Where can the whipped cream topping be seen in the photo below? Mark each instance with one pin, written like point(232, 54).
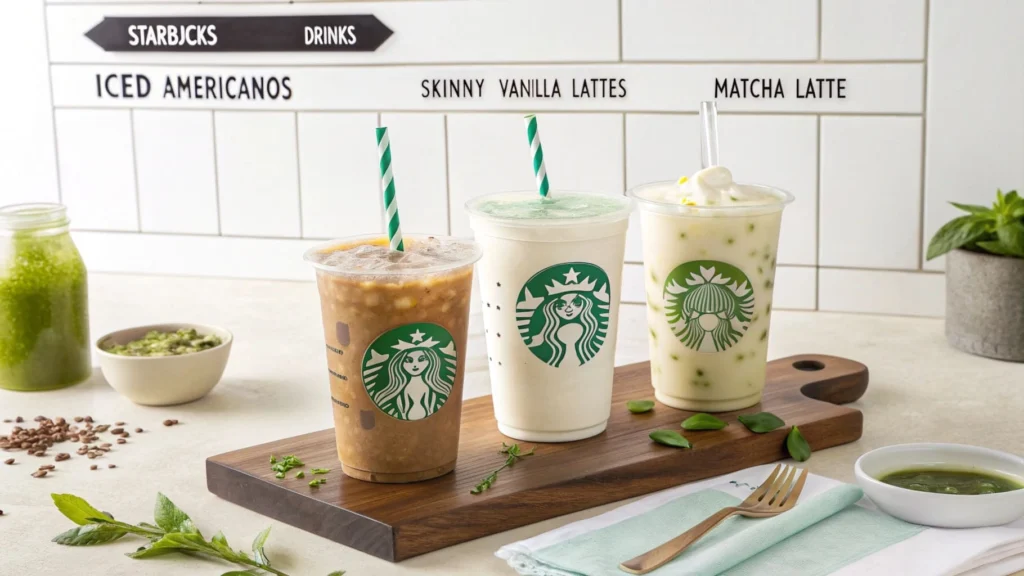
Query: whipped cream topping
point(714, 186)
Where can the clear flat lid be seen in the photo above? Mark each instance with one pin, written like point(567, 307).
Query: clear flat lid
point(560, 207)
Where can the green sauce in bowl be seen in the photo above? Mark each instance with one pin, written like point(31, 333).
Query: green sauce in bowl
point(951, 481)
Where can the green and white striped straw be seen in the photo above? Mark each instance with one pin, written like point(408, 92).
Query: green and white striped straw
point(387, 184)
point(537, 153)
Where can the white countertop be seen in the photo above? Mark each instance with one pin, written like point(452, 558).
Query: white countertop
point(275, 386)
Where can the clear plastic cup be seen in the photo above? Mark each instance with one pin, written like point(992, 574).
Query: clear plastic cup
point(551, 284)
point(709, 273)
point(396, 355)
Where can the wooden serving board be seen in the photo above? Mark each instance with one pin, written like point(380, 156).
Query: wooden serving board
point(399, 521)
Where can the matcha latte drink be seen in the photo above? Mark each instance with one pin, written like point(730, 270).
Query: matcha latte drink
point(395, 325)
point(709, 265)
point(550, 279)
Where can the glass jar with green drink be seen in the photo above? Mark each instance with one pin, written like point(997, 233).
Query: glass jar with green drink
point(44, 310)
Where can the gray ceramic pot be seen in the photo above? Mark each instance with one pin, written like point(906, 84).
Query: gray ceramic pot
point(985, 304)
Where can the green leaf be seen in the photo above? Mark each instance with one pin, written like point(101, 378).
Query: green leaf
point(973, 208)
point(670, 438)
point(171, 518)
point(257, 547)
point(640, 406)
point(995, 247)
point(761, 422)
point(89, 535)
point(76, 509)
point(337, 573)
point(1011, 236)
point(797, 446)
point(957, 233)
point(703, 422)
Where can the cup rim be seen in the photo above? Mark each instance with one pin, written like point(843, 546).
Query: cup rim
point(625, 208)
point(471, 259)
point(785, 198)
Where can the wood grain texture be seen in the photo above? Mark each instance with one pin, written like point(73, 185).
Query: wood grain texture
point(399, 521)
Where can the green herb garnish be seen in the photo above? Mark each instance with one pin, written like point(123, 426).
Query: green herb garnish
point(173, 532)
point(320, 470)
point(156, 343)
point(300, 474)
point(670, 438)
point(640, 406)
point(315, 483)
point(513, 454)
point(761, 422)
point(703, 422)
point(998, 230)
point(283, 465)
point(797, 446)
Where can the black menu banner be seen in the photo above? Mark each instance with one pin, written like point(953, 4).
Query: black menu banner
point(337, 33)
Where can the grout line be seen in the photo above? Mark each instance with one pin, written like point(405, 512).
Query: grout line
point(506, 111)
point(216, 168)
point(625, 178)
point(135, 170)
point(817, 217)
point(820, 39)
point(486, 66)
point(447, 179)
point(53, 109)
point(922, 244)
point(849, 268)
point(620, 30)
point(298, 176)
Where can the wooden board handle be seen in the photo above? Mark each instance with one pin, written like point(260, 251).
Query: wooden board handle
point(821, 377)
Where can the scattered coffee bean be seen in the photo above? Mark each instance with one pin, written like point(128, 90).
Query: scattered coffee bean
point(138, 430)
point(168, 422)
point(121, 441)
point(47, 467)
point(88, 419)
point(7, 420)
point(79, 418)
point(93, 467)
point(111, 465)
point(103, 428)
point(41, 453)
point(19, 419)
point(39, 473)
point(117, 431)
point(118, 423)
point(62, 456)
point(9, 461)
point(92, 455)
point(105, 445)
point(125, 434)
point(1, 512)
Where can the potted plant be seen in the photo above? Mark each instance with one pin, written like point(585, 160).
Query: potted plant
point(985, 277)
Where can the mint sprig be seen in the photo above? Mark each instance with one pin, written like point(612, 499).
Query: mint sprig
point(998, 230)
point(174, 532)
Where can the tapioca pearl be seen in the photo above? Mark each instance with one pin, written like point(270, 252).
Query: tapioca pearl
point(740, 357)
point(730, 240)
point(768, 283)
point(768, 308)
point(753, 253)
point(760, 271)
point(682, 235)
point(764, 335)
point(674, 357)
point(498, 307)
point(654, 335)
point(499, 284)
point(499, 334)
point(700, 373)
point(750, 227)
point(499, 362)
point(654, 277)
point(488, 304)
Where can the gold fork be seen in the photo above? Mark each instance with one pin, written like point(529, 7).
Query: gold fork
point(773, 497)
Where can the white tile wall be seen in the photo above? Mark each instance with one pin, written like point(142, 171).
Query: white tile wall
point(27, 155)
point(257, 174)
point(177, 174)
point(420, 164)
point(873, 29)
point(490, 153)
point(975, 133)
point(229, 179)
point(871, 192)
point(884, 292)
point(338, 172)
point(97, 170)
point(755, 30)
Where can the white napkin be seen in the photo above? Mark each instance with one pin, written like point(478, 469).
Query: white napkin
point(996, 551)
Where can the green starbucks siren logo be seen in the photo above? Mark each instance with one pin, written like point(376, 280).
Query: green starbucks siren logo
point(562, 313)
point(708, 304)
point(409, 371)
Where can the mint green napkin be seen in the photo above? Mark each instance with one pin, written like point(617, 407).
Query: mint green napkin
point(816, 537)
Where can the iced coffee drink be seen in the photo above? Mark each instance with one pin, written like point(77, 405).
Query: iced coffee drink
point(710, 252)
point(395, 325)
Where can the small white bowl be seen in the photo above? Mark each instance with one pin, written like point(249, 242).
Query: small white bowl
point(942, 510)
point(164, 380)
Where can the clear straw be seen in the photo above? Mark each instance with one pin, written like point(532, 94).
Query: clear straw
point(708, 134)
point(387, 184)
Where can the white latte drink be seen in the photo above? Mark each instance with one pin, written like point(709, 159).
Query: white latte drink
point(550, 279)
point(710, 248)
